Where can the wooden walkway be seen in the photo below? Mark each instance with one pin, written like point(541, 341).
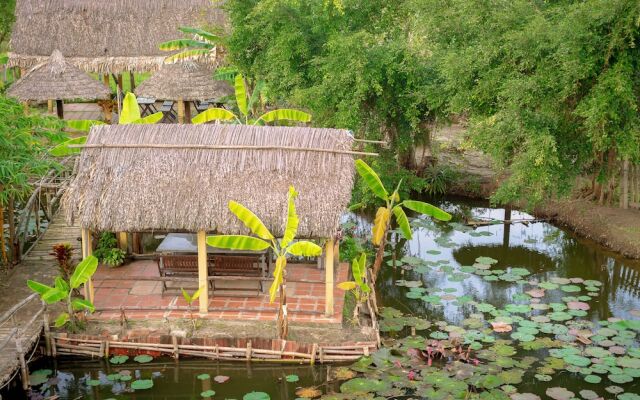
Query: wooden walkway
point(24, 319)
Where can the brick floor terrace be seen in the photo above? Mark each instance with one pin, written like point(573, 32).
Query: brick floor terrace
point(306, 301)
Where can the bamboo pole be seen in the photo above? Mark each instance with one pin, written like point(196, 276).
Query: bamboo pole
point(187, 112)
point(132, 81)
point(123, 241)
point(50, 106)
point(215, 147)
point(47, 331)
point(203, 273)
point(60, 109)
point(24, 372)
point(328, 285)
point(180, 111)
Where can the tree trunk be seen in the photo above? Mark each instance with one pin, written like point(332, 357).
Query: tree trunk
point(282, 322)
point(379, 256)
point(624, 195)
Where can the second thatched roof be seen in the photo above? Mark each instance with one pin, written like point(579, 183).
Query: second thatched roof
point(56, 79)
point(104, 36)
point(182, 177)
point(186, 81)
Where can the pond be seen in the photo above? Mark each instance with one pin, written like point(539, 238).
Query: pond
point(565, 317)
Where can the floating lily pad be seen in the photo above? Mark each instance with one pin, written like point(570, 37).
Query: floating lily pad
point(559, 393)
point(203, 377)
point(256, 396)
point(142, 384)
point(620, 378)
point(592, 379)
point(118, 359)
point(363, 385)
point(143, 358)
point(207, 393)
point(292, 378)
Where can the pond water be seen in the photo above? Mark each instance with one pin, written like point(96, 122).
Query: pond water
point(454, 280)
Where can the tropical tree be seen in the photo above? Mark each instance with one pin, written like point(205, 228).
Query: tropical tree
point(393, 205)
point(200, 45)
point(24, 140)
point(246, 104)
point(130, 114)
point(266, 240)
point(64, 289)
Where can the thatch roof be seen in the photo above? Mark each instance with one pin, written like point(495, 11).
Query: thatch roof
point(56, 79)
point(188, 81)
point(127, 182)
point(101, 36)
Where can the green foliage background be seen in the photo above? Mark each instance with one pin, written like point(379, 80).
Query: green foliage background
point(549, 88)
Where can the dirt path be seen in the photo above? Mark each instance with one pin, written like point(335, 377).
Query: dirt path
point(614, 228)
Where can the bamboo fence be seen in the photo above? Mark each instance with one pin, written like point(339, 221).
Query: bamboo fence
point(222, 349)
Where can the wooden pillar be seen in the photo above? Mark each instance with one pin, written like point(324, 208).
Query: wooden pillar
point(187, 112)
point(328, 280)
point(50, 106)
point(59, 109)
point(132, 81)
point(203, 273)
point(87, 250)
point(180, 111)
point(123, 241)
point(120, 84)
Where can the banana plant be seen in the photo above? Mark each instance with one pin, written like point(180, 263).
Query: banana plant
point(393, 205)
point(264, 240)
point(358, 286)
point(202, 44)
point(246, 104)
point(190, 298)
point(130, 114)
point(63, 290)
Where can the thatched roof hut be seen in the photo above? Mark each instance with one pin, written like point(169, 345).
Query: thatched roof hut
point(56, 79)
point(182, 177)
point(186, 81)
point(104, 36)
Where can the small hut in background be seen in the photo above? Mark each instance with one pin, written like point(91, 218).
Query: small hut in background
point(105, 37)
point(185, 176)
point(58, 80)
point(185, 83)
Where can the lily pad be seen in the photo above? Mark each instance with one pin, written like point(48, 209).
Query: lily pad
point(208, 393)
point(292, 378)
point(592, 379)
point(256, 396)
point(143, 358)
point(118, 359)
point(559, 393)
point(203, 377)
point(363, 385)
point(142, 384)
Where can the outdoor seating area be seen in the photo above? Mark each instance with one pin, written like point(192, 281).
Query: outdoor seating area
point(136, 288)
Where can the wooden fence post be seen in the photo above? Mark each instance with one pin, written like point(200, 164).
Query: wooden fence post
point(328, 280)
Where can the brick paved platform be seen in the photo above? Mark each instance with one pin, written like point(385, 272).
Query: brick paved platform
point(305, 300)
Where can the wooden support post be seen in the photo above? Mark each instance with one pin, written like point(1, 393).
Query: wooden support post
point(59, 109)
point(328, 280)
point(120, 84)
point(132, 81)
point(105, 80)
point(176, 351)
point(50, 106)
point(180, 111)
point(24, 372)
point(123, 241)
point(187, 112)
point(87, 250)
point(47, 331)
point(203, 273)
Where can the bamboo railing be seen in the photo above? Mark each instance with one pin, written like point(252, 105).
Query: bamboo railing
point(45, 198)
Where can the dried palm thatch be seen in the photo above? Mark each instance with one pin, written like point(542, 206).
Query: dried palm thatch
point(122, 185)
point(188, 81)
point(56, 79)
point(104, 36)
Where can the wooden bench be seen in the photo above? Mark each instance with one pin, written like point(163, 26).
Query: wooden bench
point(231, 265)
point(217, 265)
point(182, 265)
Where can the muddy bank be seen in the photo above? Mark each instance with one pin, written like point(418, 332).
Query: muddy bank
point(615, 228)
